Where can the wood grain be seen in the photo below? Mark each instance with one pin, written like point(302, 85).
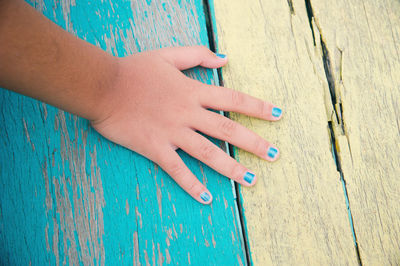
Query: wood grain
point(68, 196)
point(363, 42)
point(296, 213)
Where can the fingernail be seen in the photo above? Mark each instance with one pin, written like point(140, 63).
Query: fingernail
point(205, 196)
point(248, 177)
point(220, 55)
point(272, 152)
point(276, 112)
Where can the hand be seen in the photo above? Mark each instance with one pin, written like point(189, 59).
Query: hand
point(154, 109)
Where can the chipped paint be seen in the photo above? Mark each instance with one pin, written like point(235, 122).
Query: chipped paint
point(168, 256)
point(138, 216)
point(136, 259)
point(127, 207)
point(213, 241)
point(160, 256)
point(27, 135)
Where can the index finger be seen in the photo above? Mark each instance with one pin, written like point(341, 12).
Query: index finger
point(221, 98)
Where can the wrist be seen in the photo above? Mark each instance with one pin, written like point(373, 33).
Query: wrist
point(101, 103)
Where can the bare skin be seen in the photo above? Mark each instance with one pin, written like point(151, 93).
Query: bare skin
point(142, 102)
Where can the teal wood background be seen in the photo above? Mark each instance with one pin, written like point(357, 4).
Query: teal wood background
point(68, 196)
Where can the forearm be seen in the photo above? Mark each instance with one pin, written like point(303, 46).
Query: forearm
point(41, 60)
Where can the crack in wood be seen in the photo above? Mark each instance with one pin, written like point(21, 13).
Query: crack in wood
point(290, 4)
point(337, 108)
point(326, 59)
point(310, 15)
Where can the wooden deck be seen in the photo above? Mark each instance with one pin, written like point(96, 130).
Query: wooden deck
point(68, 196)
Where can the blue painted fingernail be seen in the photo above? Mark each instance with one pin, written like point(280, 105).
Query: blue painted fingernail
point(272, 152)
point(205, 196)
point(276, 112)
point(220, 55)
point(248, 177)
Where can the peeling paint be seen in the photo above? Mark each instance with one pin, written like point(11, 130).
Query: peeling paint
point(81, 235)
point(138, 216)
point(127, 207)
point(213, 240)
point(167, 256)
point(136, 258)
point(27, 135)
point(160, 256)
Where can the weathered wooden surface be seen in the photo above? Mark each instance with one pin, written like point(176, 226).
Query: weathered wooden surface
point(362, 39)
point(296, 213)
point(68, 196)
point(338, 64)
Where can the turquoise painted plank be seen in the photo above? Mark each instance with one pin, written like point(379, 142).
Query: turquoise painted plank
point(68, 196)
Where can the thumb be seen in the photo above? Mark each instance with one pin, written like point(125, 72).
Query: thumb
point(190, 56)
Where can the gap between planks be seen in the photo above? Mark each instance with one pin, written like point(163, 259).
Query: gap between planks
point(212, 40)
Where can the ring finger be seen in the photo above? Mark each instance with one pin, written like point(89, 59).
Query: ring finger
point(205, 151)
point(221, 127)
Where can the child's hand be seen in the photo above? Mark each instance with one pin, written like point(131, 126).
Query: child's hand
point(155, 109)
point(143, 102)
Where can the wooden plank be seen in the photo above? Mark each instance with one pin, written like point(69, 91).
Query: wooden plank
point(363, 42)
point(68, 196)
point(296, 213)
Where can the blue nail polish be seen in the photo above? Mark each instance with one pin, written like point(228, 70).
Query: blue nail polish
point(205, 196)
point(272, 152)
point(248, 177)
point(276, 112)
point(220, 55)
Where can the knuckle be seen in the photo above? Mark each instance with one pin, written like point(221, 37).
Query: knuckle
point(181, 108)
point(175, 169)
point(262, 108)
point(194, 187)
point(227, 127)
point(237, 171)
point(203, 48)
point(191, 185)
point(260, 146)
point(207, 151)
point(156, 157)
point(237, 98)
point(151, 140)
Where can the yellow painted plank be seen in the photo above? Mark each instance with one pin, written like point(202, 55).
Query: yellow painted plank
point(296, 213)
point(363, 40)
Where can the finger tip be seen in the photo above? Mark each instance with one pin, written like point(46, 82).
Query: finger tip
point(207, 202)
point(253, 183)
point(249, 179)
point(273, 154)
point(205, 198)
point(222, 59)
point(221, 56)
point(278, 118)
point(276, 113)
point(210, 200)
